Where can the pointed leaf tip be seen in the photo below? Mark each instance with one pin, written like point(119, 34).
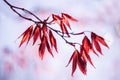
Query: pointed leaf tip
point(42, 47)
point(26, 35)
point(82, 64)
point(102, 41)
point(36, 33)
point(69, 17)
point(64, 29)
point(48, 48)
point(52, 40)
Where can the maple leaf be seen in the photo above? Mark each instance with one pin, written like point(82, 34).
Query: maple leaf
point(74, 58)
point(74, 63)
point(36, 33)
point(56, 18)
point(69, 17)
point(65, 20)
point(44, 28)
point(85, 55)
point(26, 35)
point(77, 59)
point(44, 44)
point(42, 47)
point(96, 40)
point(82, 64)
point(48, 47)
point(63, 28)
point(102, 41)
point(88, 45)
point(52, 40)
point(92, 49)
point(97, 46)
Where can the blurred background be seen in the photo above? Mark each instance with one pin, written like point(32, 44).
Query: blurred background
point(99, 16)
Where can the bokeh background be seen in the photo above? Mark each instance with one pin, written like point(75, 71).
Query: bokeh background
point(99, 16)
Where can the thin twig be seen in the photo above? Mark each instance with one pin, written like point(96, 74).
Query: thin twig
point(63, 37)
point(24, 10)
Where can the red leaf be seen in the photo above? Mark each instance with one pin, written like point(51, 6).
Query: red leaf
point(74, 63)
point(67, 23)
point(36, 33)
point(86, 55)
point(82, 64)
point(74, 59)
point(99, 39)
point(44, 28)
point(65, 20)
point(56, 18)
point(93, 36)
point(89, 59)
point(70, 60)
point(86, 44)
point(93, 50)
point(78, 59)
point(26, 35)
point(69, 17)
point(42, 47)
point(63, 28)
point(97, 46)
point(52, 40)
point(27, 30)
point(48, 47)
point(102, 41)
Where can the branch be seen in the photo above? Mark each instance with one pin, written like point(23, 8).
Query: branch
point(63, 37)
point(42, 31)
point(40, 21)
point(44, 22)
point(24, 10)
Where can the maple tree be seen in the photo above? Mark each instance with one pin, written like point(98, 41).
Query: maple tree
point(41, 30)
